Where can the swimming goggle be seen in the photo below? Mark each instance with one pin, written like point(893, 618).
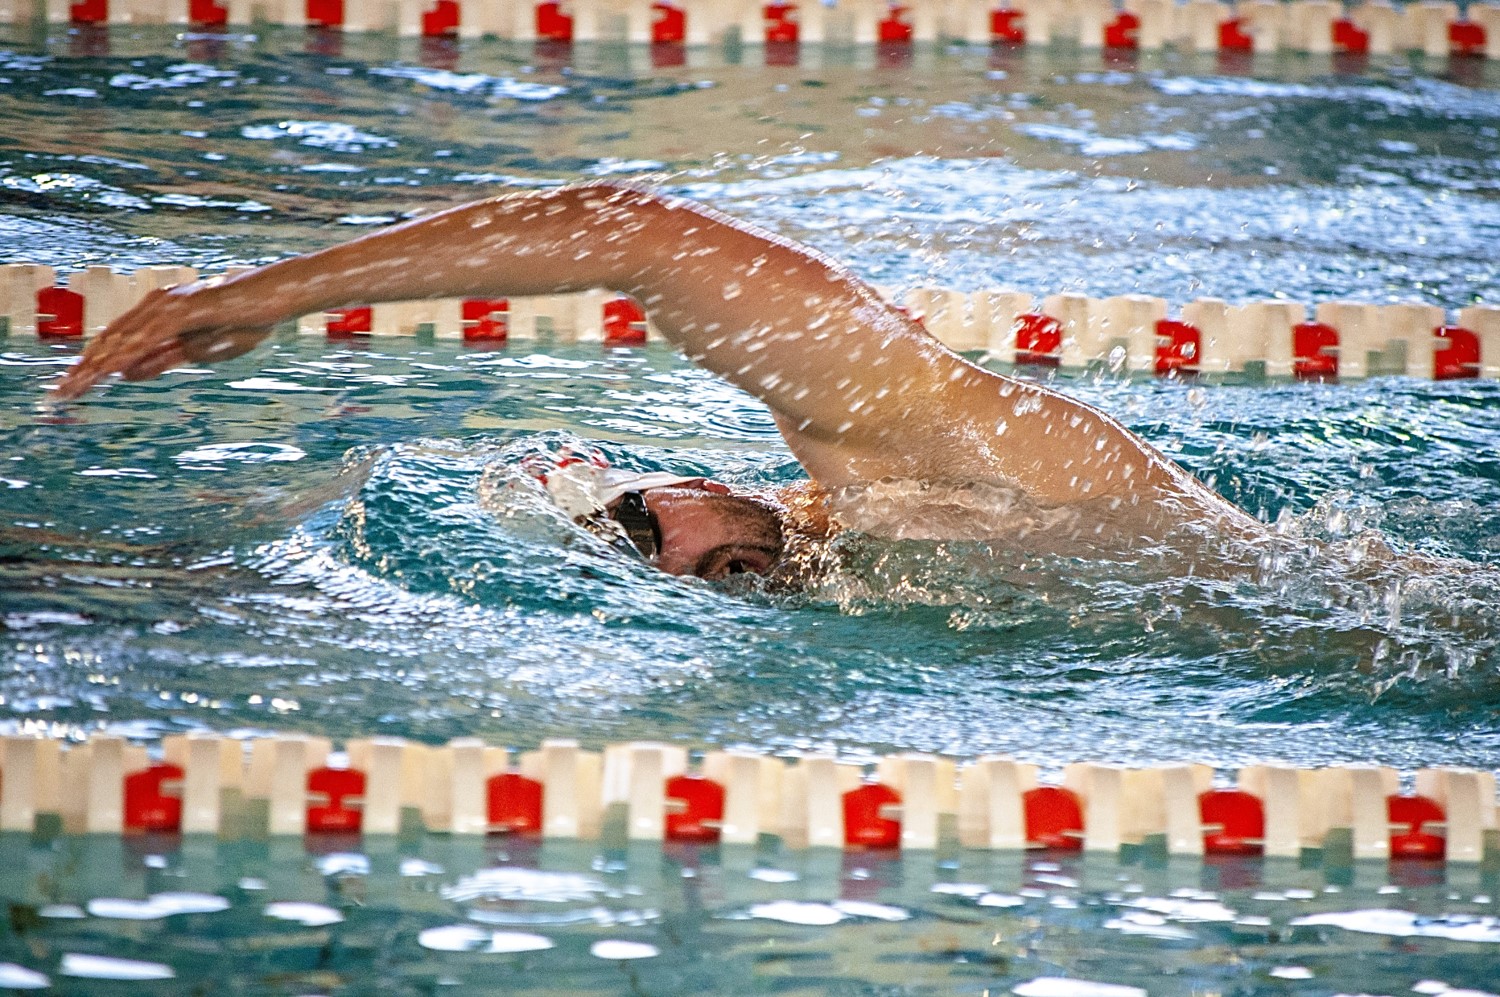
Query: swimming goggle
point(633, 516)
point(584, 486)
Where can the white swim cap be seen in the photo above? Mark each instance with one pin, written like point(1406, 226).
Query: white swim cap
point(582, 484)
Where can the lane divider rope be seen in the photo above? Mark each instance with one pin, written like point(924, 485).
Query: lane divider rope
point(1129, 333)
point(292, 784)
point(1433, 28)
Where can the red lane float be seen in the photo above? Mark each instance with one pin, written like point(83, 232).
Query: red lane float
point(441, 20)
point(1233, 37)
point(1315, 351)
point(1038, 340)
point(59, 313)
point(668, 24)
point(346, 323)
point(1054, 818)
point(781, 23)
point(485, 320)
point(1466, 38)
point(1008, 26)
point(1178, 345)
point(1409, 816)
point(1457, 356)
point(896, 28)
point(1234, 822)
point(695, 808)
point(1349, 38)
point(513, 804)
point(552, 25)
point(325, 13)
point(334, 800)
point(153, 801)
point(865, 823)
point(89, 12)
point(624, 323)
point(1123, 32)
point(207, 13)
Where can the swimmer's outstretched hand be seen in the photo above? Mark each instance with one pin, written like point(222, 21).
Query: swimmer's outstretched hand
point(168, 328)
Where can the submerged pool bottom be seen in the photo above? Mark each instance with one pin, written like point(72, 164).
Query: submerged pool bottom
point(427, 914)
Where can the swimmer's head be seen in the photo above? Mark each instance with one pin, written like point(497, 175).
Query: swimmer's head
point(682, 525)
point(701, 528)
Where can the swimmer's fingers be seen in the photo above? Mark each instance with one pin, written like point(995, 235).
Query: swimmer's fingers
point(127, 341)
point(152, 337)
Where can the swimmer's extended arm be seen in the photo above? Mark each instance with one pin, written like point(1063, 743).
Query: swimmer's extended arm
point(859, 390)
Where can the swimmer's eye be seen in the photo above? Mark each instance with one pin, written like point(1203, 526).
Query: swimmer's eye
point(736, 559)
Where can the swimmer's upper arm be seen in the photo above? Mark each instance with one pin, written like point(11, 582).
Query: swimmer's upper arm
point(859, 390)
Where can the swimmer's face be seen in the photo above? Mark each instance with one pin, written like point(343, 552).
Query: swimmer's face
point(700, 528)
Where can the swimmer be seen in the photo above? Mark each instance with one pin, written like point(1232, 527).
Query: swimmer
point(900, 436)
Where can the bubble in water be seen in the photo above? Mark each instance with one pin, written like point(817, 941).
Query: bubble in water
point(732, 290)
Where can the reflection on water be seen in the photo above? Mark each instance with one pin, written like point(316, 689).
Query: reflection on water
point(471, 916)
point(342, 554)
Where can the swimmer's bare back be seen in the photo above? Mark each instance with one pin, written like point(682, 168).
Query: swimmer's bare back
point(860, 392)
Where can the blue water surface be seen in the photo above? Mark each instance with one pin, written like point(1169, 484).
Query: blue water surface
point(316, 537)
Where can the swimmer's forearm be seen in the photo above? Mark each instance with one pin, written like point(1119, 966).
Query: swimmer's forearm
point(789, 326)
point(501, 247)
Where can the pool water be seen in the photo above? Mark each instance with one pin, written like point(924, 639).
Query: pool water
point(452, 916)
point(315, 537)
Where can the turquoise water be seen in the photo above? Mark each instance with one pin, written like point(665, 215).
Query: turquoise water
point(454, 917)
point(305, 538)
point(187, 553)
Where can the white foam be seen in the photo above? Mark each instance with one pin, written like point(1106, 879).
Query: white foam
point(103, 967)
point(1186, 910)
point(1057, 986)
point(798, 912)
point(1403, 924)
point(308, 915)
point(961, 889)
point(157, 906)
point(344, 863)
point(13, 977)
point(1439, 987)
point(877, 912)
point(511, 883)
point(1001, 900)
point(615, 949)
point(468, 938)
point(519, 941)
point(61, 911)
point(1149, 926)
